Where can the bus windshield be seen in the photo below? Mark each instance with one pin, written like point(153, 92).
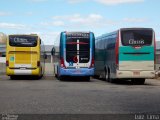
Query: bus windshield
point(23, 41)
point(136, 37)
point(78, 44)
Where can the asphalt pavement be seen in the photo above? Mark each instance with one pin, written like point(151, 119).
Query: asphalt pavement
point(51, 96)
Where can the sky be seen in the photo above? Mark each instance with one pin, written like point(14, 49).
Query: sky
point(50, 17)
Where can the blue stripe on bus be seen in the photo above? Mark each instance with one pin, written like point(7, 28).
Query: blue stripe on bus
point(91, 44)
point(136, 57)
point(63, 42)
point(77, 72)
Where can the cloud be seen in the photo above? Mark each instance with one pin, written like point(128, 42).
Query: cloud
point(54, 23)
point(4, 25)
point(4, 13)
point(38, 0)
point(76, 1)
point(107, 2)
point(135, 20)
point(115, 2)
point(77, 20)
point(49, 38)
point(29, 13)
point(85, 19)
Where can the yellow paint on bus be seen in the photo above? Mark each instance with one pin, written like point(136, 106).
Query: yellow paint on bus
point(25, 55)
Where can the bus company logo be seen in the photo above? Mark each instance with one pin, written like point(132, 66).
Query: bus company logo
point(84, 58)
point(83, 35)
point(136, 42)
point(20, 40)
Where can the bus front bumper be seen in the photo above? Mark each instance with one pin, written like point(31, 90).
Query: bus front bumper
point(76, 72)
point(135, 74)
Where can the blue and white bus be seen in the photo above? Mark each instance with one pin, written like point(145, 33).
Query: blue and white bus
point(76, 55)
point(128, 53)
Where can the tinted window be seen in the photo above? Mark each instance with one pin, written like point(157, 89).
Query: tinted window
point(78, 44)
point(23, 41)
point(136, 37)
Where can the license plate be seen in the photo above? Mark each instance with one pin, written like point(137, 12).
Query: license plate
point(23, 68)
point(136, 73)
point(77, 71)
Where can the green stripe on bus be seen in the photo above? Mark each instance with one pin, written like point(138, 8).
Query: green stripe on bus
point(125, 53)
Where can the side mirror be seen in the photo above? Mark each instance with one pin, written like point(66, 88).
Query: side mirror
point(53, 51)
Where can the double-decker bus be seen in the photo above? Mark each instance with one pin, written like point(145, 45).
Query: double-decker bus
point(128, 53)
point(25, 55)
point(76, 55)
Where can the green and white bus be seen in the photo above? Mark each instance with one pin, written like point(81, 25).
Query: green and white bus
point(128, 53)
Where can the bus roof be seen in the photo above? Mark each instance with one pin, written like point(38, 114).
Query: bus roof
point(107, 34)
point(133, 28)
point(136, 28)
point(23, 35)
point(69, 32)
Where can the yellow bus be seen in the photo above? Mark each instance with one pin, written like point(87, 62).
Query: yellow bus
point(25, 55)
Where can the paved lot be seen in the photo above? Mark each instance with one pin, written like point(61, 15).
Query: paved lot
point(51, 96)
